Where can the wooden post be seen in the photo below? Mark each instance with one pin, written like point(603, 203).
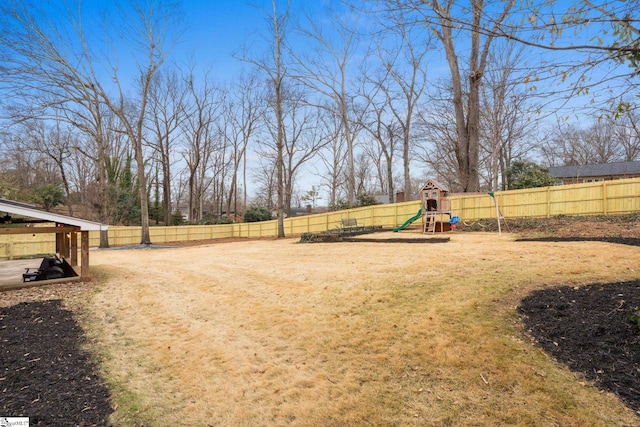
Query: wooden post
point(74, 249)
point(604, 197)
point(495, 201)
point(64, 250)
point(548, 202)
point(59, 243)
point(84, 255)
point(498, 216)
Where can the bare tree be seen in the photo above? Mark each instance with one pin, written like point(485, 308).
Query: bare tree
point(376, 155)
point(167, 111)
point(627, 131)
point(387, 133)
point(56, 62)
point(324, 69)
point(48, 78)
point(442, 17)
point(508, 117)
point(151, 27)
point(333, 157)
point(467, 116)
point(302, 139)
point(199, 130)
point(572, 145)
point(56, 143)
point(597, 36)
point(273, 65)
point(26, 167)
point(402, 81)
point(265, 179)
point(438, 135)
point(215, 184)
point(602, 35)
point(364, 179)
point(244, 109)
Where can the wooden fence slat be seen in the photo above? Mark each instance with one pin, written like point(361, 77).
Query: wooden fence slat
point(596, 198)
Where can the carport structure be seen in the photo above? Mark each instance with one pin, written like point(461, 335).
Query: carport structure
point(65, 228)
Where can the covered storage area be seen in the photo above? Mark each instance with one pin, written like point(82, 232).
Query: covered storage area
point(71, 242)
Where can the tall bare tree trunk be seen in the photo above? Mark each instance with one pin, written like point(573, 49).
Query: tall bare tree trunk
point(277, 83)
point(467, 116)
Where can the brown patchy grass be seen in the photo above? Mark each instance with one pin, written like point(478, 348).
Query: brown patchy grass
point(276, 333)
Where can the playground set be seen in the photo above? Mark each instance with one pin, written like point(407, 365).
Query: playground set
point(435, 212)
point(434, 209)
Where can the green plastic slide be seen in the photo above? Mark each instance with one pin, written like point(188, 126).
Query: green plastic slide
point(407, 222)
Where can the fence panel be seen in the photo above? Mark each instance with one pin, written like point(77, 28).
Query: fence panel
point(472, 207)
point(522, 203)
point(608, 197)
point(622, 196)
point(18, 246)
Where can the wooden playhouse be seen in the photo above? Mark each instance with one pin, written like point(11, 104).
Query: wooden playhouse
point(436, 207)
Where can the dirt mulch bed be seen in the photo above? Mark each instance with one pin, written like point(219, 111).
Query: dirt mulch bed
point(587, 328)
point(44, 373)
point(631, 241)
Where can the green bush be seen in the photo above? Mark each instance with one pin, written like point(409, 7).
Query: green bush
point(524, 174)
point(366, 199)
point(48, 196)
point(362, 199)
point(224, 220)
point(255, 214)
point(177, 218)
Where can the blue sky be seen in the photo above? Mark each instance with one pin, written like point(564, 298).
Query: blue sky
point(215, 30)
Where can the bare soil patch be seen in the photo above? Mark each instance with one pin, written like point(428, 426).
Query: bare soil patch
point(592, 227)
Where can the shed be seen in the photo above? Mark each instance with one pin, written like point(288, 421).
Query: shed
point(66, 229)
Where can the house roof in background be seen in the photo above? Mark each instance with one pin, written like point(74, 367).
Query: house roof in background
point(26, 210)
point(599, 169)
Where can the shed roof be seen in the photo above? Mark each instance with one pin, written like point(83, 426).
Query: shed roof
point(23, 209)
point(598, 169)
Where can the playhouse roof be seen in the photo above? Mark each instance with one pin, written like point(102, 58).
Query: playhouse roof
point(432, 184)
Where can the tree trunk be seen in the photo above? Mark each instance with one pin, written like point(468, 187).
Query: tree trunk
point(145, 238)
point(166, 191)
point(277, 81)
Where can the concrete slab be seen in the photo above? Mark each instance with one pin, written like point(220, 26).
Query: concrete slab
point(11, 271)
point(11, 275)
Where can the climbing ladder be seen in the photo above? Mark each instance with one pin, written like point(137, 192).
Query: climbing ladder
point(430, 222)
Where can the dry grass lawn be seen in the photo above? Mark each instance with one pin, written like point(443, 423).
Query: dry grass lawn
point(276, 333)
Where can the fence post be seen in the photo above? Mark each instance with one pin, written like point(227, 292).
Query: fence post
point(548, 201)
point(395, 215)
point(604, 197)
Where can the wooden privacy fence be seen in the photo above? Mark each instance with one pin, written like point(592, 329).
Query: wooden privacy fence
point(596, 198)
point(593, 198)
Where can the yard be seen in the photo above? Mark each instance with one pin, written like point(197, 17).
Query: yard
point(275, 333)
